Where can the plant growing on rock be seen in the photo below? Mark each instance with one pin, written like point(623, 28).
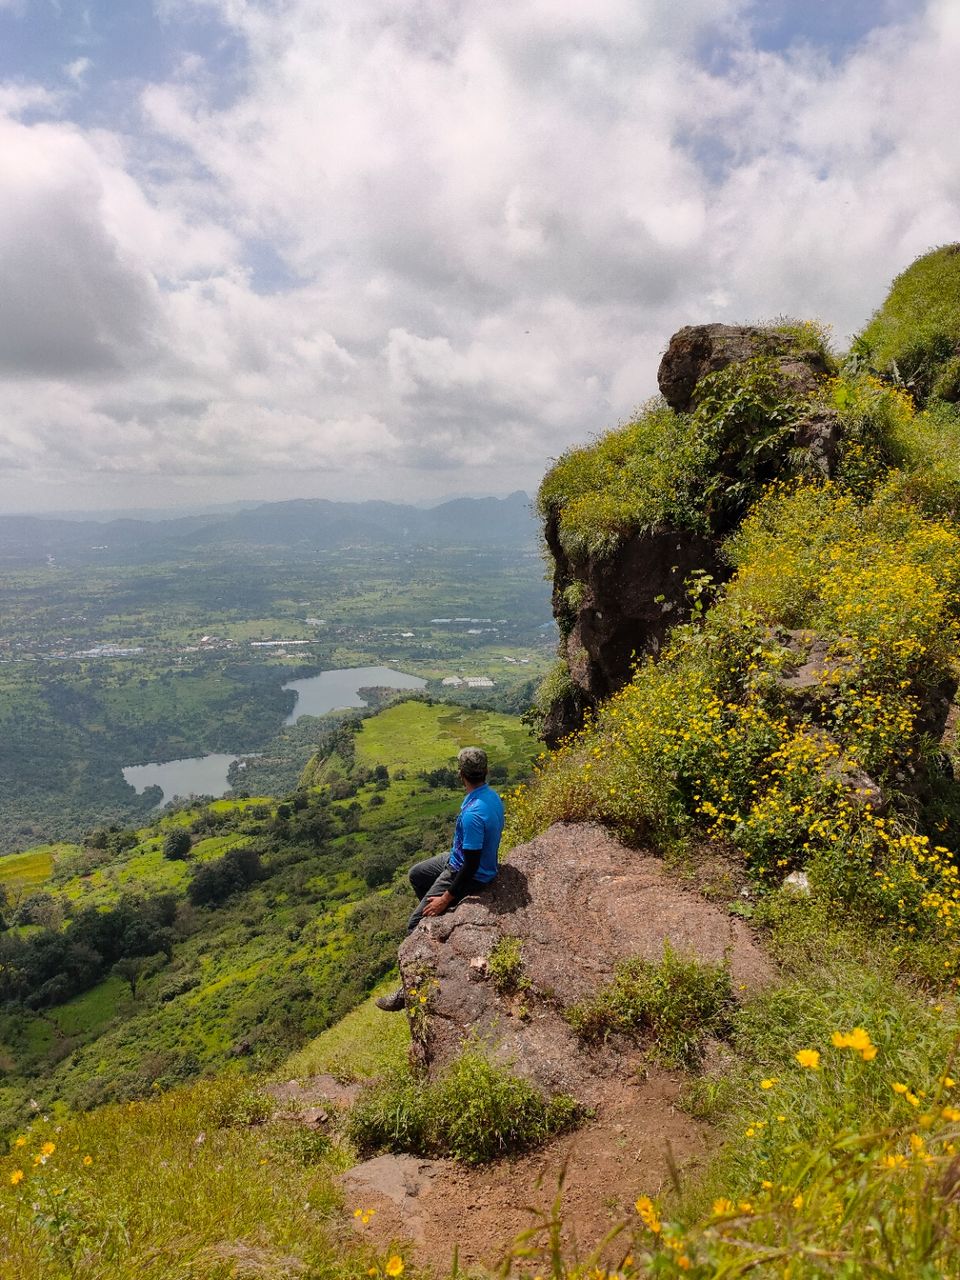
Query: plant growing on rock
point(505, 966)
point(475, 1111)
point(674, 1004)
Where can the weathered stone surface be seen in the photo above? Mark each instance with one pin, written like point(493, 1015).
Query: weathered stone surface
point(810, 681)
point(628, 603)
point(697, 350)
point(818, 435)
point(315, 1102)
point(580, 902)
point(397, 1182)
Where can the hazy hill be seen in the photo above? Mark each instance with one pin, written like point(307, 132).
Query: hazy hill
point(302, 524)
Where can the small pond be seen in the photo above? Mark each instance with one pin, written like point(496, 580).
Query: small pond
point(332, 690)
point(199, 776)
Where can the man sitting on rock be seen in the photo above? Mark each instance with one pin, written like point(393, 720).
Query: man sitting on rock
point(471, 864)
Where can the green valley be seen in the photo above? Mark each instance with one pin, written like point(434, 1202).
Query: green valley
point(243, 971)
point(131, 652)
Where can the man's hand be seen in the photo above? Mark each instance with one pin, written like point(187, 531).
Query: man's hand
point(437, 906)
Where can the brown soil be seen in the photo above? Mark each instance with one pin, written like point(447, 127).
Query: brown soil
point(430, 1208)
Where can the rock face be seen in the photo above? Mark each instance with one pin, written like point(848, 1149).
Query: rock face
point(579, 902)
point(697, 350)
point(627, 604)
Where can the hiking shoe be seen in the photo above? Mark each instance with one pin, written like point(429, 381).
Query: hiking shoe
point(392, 1003)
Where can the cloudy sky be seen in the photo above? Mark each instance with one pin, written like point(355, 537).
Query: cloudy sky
point(412, 248)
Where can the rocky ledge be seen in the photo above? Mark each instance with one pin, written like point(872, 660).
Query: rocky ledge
point(579, 902)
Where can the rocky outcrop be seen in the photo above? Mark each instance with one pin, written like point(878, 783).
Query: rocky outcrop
point(617, 608)
point(697, 350)
point(625, 606)
point(579, 902)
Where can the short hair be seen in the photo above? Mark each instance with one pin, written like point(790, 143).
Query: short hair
point(472, 763)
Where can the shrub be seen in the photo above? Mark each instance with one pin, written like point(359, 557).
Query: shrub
point(176, 843)
point(475, 1112)
point(675, 1003)
point(214, 882)
point(505, 966)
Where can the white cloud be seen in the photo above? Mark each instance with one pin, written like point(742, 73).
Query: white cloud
point(77, 69)
point(17, 98)
point(493, 216)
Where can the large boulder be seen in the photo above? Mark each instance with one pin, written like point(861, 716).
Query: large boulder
point(579, 902)
point(697, 350)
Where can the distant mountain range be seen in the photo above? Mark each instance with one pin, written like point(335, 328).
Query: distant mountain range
point(300, 525)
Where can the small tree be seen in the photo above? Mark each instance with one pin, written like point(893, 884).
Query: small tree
point(176, 843)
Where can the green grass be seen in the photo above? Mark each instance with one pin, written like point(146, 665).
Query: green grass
point(674, 1005)
point(415, 736)
point(365, 1044)
point(91, 1011)
point(32, 869)
point(918, 327)
point(227, 1195)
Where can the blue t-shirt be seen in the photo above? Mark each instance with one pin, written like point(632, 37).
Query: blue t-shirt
point(479, 826)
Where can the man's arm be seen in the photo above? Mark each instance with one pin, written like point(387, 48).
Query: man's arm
point(471, 864)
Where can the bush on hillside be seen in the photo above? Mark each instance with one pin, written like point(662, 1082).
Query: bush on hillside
point(214, 882)
point(474, 1112)
point(674, 1004)
point(176, 843)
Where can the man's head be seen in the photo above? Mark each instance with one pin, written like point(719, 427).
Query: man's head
point(472, 763)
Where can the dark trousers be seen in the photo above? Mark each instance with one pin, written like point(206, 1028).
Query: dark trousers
point(433, 877)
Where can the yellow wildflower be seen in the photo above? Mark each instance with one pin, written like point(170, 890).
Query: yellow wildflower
point(48, 1148)
point(858, 1039)
point(897, 1087)
point(88, 1161)
point(798, 1201)
point(20, 1142)
point(769, 1082)
point(808, 1058)
point(722, 1206)
point(16, 1177)
point(394, 1266)
point(648, 1214)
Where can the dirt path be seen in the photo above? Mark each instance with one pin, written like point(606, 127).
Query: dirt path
point(438, 1206)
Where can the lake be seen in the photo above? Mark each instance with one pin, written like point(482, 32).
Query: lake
point(199, 776)
point(207, 775)
point(332, 690)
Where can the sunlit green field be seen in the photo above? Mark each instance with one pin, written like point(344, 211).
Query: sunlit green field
point(415, 736)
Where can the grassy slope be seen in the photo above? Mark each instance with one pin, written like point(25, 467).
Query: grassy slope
point(922, 305)
point(271, 966)
point(414, 736)
point(236, 1192)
